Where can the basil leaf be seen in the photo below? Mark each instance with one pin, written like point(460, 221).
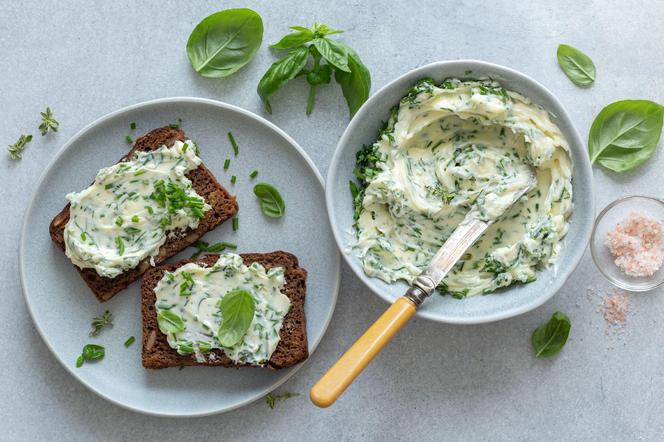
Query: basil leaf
point(576, 65)
point(93, 352)
point(170, 322)
point(294, 39)
point(334, 52)
point(237, 309)
point(355, 84)
point(224, 42)
point(280, 73)
point(625, 134)
point(550, 338)
point(271, 202)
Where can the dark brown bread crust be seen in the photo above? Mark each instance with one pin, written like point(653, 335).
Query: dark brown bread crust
point(223, 204)
point(292, 347)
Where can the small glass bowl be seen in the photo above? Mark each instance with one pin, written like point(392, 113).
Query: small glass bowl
point(606, 221)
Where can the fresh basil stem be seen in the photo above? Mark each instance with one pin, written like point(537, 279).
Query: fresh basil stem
point(312, 87)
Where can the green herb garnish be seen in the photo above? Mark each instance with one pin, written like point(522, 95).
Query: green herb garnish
point(224, 42)
point(328, 56)
point(129, 140)
point(253, 174)
point(91, 352)
point(120, 243)
point(576, 65)
point(187, 285)
point(236, 223)
point(233, 179)
point(272, 204)
point(48, 123)
point(211, 248)
point(237, 309)
point(625, 134)
point(170, 322)
point(227, 163)
point(16, 149)
point(130, 340)
point(135, 219)
point(548, 339)
point(119, 221)
point(272, 399)
point(236, 149)
point(132, 126)
point(99, 322)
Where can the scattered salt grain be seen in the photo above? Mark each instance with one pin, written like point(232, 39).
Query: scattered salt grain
point(636, 245)
point(616, 308)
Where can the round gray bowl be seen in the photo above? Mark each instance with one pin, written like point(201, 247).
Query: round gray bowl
point(505, 303)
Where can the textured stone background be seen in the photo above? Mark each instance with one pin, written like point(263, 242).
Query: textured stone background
point(434, 381)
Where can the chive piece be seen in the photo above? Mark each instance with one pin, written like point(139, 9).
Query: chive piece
point(185, 146)
point(135, 219)
point(120, 243)
point(140, 172)
point(227, 163)
point(236, 223)
point(150, 210)
point(233, 179)
point(173, 125)
point(108, 186)
point(129, 140)
point(229, 245)
point(132, 125)
point(253, 174)
point(119, 221)
point(84, 236)
point(129, 341)
point(236, 149)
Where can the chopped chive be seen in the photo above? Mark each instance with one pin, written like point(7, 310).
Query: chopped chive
point(185, 147)
point(227, 163)
point(129, 341)
point(229, 245)
point(140, 172)
point(253, 174)
point(120, 243)
point(119, 221)
point(236, 223)
point(174, 125)
point(132, 125)
point(84, 236)
point(129, 140)
point(233, 179)
point(108, 186)
point(236, 149)
point(135, 219)
point(149, 209)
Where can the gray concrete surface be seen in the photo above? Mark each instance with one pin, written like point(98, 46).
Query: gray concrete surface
point(435, 382)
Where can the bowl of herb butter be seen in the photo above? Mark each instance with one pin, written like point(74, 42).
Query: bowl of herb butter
point(432, 145)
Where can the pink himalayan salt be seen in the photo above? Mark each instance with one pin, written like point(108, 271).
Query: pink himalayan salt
point(636, 245)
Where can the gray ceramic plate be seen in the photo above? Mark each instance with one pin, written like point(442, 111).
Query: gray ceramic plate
point(62, 306)
point(505, 303)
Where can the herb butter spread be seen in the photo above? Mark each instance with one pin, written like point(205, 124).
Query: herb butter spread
point(188, 308)
point(126, 214)
point(451, 148)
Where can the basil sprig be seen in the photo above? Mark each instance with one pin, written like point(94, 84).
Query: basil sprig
point(237, 309)
point(91, 352)
point(625, 134)
point(272, 204)
point(224, 42)
point(327, 56)
point(576, 65)
point(548, 339)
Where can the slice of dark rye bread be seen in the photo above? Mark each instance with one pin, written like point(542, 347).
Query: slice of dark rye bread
point(292, 347)
point(223, 204)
